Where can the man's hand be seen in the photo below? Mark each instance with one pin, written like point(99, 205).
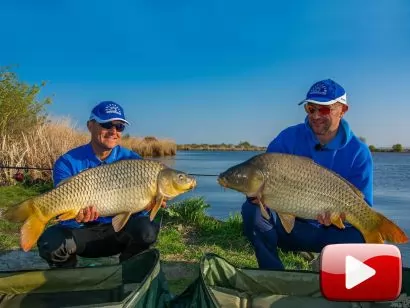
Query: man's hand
point(152, 204)
point(324, 219)
point(90, 213)
point(87, 214)
point(254, 200)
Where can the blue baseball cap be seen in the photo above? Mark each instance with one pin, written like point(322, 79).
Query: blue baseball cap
point(325, 92)
point(108, 111)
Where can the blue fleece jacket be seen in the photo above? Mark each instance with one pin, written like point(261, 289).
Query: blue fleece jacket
point(346, 154)
point(82, 158)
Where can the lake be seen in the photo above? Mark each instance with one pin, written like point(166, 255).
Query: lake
point(391, 185)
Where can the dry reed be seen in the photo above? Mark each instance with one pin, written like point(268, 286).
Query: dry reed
point(42, 146)
point(151, 146)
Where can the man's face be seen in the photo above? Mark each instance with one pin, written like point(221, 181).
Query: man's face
point(325, 119)
point(106, 135)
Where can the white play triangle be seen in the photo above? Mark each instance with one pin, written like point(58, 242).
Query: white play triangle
point(356, 272)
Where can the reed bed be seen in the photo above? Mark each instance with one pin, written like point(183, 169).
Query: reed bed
point(151, 146)
point(40, 148)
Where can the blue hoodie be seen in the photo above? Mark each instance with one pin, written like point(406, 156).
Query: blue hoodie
point(82, 158)
point(346, 154)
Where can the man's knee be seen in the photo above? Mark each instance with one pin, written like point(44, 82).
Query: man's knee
point(142, 230)
point(248, 213)
point(57, 246)
point(253, 219)
point(149, 234)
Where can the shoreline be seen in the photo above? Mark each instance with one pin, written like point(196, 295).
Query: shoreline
point(263, 149)
point(222, 149)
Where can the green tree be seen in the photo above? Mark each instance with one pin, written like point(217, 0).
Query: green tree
point(397, 147)
point(21, 110)
point(244, 144)
point(372, 148)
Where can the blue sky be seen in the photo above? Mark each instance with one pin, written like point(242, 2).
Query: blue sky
point(215, 71)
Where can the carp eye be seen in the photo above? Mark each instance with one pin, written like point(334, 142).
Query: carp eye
point(181, 177)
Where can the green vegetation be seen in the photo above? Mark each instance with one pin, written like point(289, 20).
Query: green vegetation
point(10, 195)
point(397, 148)
point(21, 110)
point(241, 146)
point(246, 146)
point(188, 233)
point(394, 148)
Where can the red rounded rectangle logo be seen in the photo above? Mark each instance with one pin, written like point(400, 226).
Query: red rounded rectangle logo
point(361, 272)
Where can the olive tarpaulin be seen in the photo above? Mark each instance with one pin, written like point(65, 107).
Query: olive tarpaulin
point(220, 284)
point(140, 282)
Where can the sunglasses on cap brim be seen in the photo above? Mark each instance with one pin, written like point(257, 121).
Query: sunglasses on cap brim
point(108, 125)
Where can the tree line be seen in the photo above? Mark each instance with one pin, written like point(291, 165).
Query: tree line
point(395, 147)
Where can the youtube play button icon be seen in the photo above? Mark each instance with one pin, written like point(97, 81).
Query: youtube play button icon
point(356, 272)
point(361, 272)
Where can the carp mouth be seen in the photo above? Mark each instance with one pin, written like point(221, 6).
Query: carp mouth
point(247, 179)
point(193, 184)
point(222, 182)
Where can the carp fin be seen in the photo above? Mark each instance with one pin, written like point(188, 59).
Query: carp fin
point(20, 212)
point(373, 237)
point(119, 220)
point(263, 211)
point(155, 208)
point(336, 220)
point(30, 232)
point(385, 230)
point(67, 215)
point(288, 221)
point(33, 220)
point(258, 193)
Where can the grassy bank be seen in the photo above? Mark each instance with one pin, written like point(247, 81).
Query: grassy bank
point(40, 147)
point(187, 233)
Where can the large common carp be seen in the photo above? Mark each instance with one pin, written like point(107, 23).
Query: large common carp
point(118, 189)
point(296, 186)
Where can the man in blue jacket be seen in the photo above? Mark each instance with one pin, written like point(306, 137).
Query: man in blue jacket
point(326, 138)
point(89, 235)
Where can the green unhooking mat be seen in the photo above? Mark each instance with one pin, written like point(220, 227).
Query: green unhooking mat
point(220, 284)
point(138, 282)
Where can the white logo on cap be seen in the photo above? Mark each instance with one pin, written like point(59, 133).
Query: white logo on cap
point(319, 88)
point(112, 108)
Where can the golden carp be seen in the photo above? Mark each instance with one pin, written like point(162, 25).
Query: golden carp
point(296, 186)
point(118, 189)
